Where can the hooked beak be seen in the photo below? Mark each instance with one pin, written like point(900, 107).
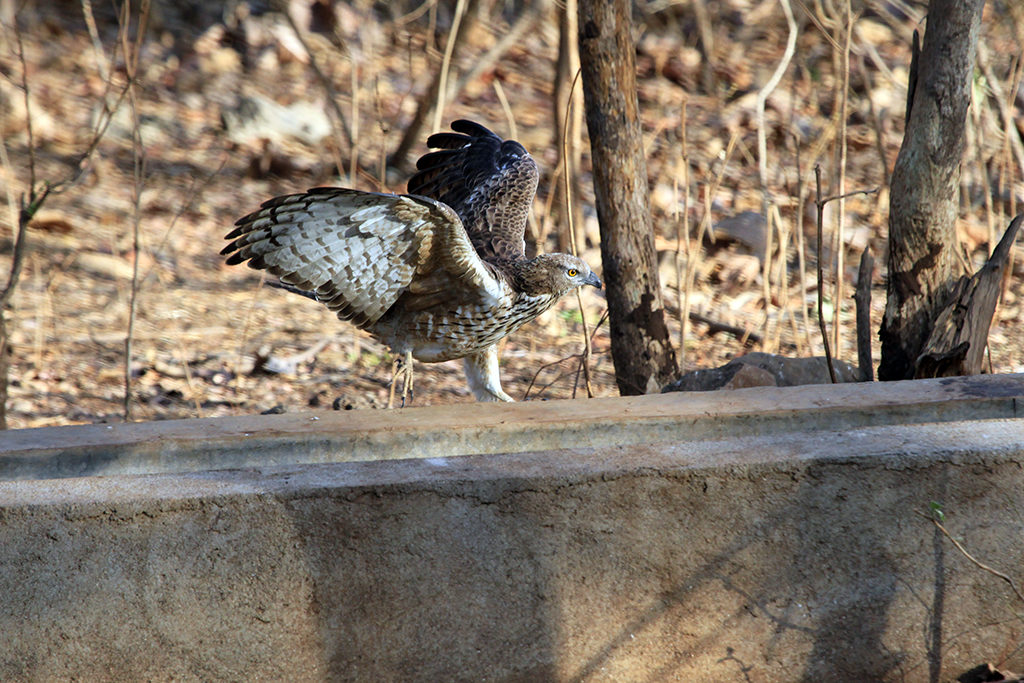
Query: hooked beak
point(593, 280)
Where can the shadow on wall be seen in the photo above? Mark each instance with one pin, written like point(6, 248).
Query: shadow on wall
point(773, 572)
point(527, 567)
point(797, 581)
point(703, 574)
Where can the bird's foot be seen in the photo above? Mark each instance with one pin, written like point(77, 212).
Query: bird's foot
point(402, 366)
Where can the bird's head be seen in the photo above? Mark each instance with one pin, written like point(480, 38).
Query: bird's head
point(557, 274)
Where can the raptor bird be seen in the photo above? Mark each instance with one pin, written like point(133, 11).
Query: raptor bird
point(436, 274)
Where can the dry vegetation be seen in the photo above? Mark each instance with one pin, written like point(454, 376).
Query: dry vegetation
point(209, 340)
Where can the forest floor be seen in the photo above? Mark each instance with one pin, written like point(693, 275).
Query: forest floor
point(210, 340)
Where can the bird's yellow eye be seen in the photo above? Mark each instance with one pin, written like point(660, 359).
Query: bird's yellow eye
point(572, 272)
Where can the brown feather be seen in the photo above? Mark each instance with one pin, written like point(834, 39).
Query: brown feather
point(489, 182)
point(440, 273)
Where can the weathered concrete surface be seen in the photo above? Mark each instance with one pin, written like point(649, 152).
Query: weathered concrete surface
point(473, 429)
point(793, 554)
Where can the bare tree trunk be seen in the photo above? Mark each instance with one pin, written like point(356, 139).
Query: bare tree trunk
point(923, 204)
point(641, 350)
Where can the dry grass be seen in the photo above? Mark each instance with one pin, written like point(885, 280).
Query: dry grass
point(202, 330)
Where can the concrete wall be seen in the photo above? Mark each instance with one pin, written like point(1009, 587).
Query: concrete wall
point(786, 551)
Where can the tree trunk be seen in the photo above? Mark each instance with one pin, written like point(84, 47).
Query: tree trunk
point(641, 350)
point(960, 332)
point(925, 181)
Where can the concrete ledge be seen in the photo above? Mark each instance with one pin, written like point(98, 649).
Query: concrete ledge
point(766, 550)
point(225, 443)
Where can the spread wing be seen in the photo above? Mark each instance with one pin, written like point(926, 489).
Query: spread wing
point(358, 252)
point(489, 182)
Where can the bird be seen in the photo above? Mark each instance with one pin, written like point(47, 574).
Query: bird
point(436, 274)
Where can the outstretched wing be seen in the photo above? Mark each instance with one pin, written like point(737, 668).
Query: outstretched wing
point(489, 182)
point(358, 252)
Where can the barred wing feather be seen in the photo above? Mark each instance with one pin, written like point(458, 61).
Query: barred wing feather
point(489, 182)
point(359, 252)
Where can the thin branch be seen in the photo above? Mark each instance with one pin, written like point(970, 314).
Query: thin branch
point(415, 14)
point(25, 213)
point(572, 230)
point(876, 122)
point(131, 59)
point(101, 59)
point(512, 37)
point(84, 159)
point(707, 46)
point(545, 366)
point(353, 157)
point(762, 97)
point(841, 156)
point(585, 360)
point(684, 284)
point(800, 247)
point(28, 108)
point(332, 98)
point(27, 209)
point(506, 107)
point(834, 197)
point(1005, 103)
point(715, 326)
point(446, 60)
point(762, 154)
point(192, 195)
point(430, 98)
point(820, 203)
point(977, 563)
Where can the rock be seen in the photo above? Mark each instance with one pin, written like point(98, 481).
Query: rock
point(750, 376)
point(746, 229)
point(256, 118)
point(764, 369)
point(984, 673)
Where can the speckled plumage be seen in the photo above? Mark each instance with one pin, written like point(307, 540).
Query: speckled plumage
point(440, 273)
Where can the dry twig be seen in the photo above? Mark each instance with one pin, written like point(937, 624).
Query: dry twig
point(977, 563)
point(820, 204)
point(325, 82)
point(131, 61)
point(762, 152)
point(572, 233)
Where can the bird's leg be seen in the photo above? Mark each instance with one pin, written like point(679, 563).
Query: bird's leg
point(482, 375)
point(395, 364)
point(407, 378)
